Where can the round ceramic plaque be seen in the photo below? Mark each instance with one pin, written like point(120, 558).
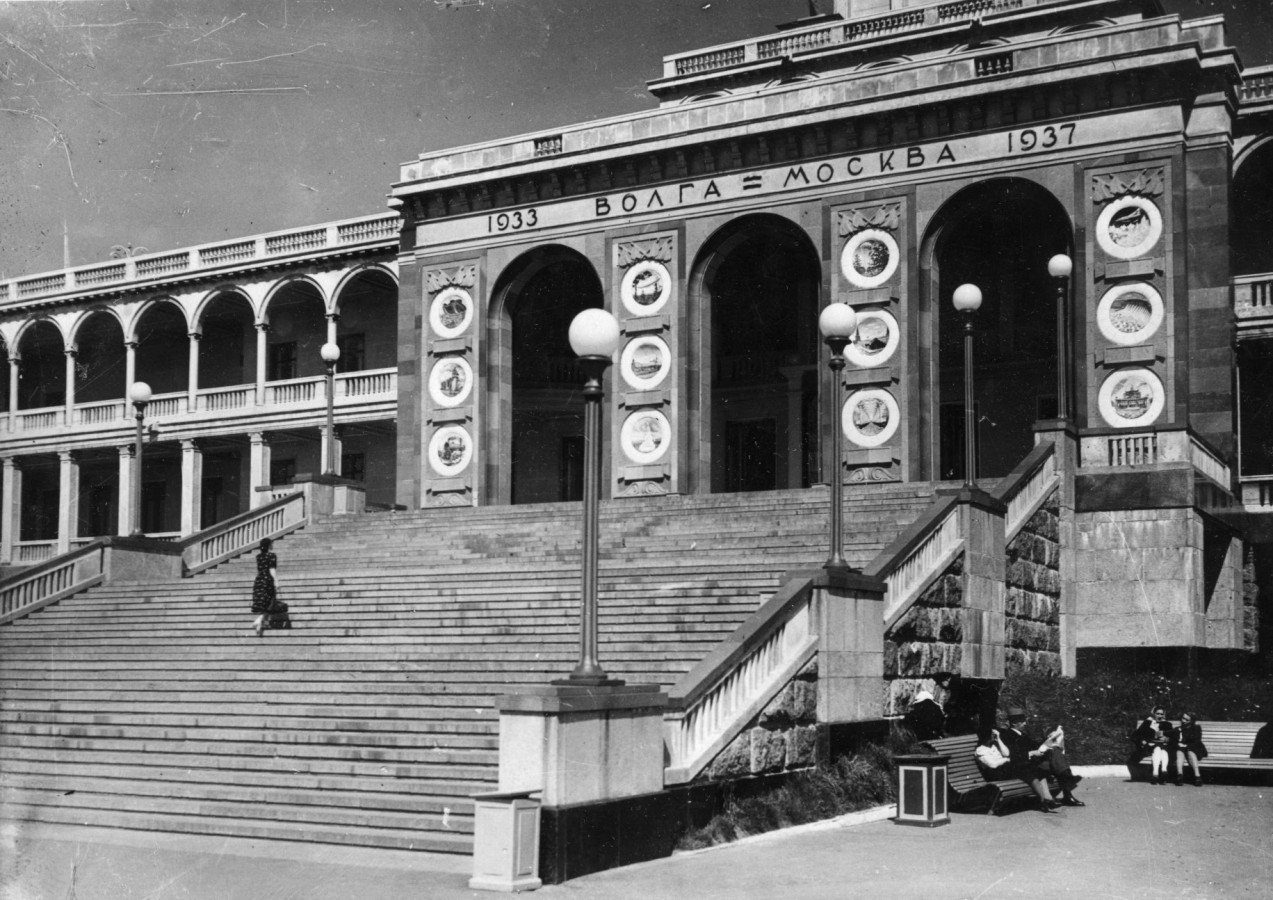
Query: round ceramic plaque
point(450, 450)
point(870, 258)
point(870, 417)
point(646, 288)
point(1129, 313)
point(645, 362)
point(1129, 227)
point(875, 339)
point(451, 381)
point(645, 436)
point(451, 312)
point(1131, 398)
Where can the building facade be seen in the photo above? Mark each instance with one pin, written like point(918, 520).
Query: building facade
point(882, 156)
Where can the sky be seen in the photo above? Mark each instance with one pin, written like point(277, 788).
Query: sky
point(168, 123)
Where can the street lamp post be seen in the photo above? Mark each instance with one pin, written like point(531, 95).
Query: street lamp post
point(1059, 267)
point(330, 353)
point(140, 395)
point(594, 336)
point(837, 323)
point(967, 300)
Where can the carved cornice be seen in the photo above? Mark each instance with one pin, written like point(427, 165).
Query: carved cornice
point(1145, 183)
point(887, 216)
point(439, 279)
point(658, 249)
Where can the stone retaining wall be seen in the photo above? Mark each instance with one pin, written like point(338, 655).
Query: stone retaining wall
point(1032, 630)
point(783, 737)
point(925, 641)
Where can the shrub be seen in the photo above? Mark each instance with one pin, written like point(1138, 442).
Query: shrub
point(848, 784)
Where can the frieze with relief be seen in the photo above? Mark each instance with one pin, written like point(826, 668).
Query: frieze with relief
point(658, 249)
point(439, 279)
point(887, 216)
point(1145, 183)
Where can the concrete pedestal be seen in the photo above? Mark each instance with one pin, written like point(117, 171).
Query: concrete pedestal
point(506, 843)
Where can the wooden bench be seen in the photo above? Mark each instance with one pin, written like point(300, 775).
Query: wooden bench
point(1228, 747)
point(967, 784)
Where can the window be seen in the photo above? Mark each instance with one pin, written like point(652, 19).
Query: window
point(281, 361)
point(353, 466)
point(353, 353)
point(282, 471)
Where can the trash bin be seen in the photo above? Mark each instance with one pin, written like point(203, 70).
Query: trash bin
point(921, 790)
point(506, 842)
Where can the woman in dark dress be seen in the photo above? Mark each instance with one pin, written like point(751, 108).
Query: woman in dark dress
point(1189, 746)
point(264, 589)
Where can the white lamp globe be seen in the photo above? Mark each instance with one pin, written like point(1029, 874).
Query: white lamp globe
point(139, 393)
point(837, 321)
point(594, 332)
point(329, 352)
point(967, 298)
point(1060, 266)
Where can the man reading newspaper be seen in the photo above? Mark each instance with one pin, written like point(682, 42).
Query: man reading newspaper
point(1034, 761)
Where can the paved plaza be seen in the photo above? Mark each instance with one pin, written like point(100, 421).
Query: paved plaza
point(1130, 841)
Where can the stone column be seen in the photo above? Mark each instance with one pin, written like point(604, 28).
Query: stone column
point(985, 572)
point(192, 377)
point(191, 486)
point(10, 507)
point(125, 493)
point(71, 354)
point(332, 319)
point(337, 447)
point(68, 496)
point(130, 366)
point(259, 469)
point(849, 617)
point(15, 366)
point(262, 349)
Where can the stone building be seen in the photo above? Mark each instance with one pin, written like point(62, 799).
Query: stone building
point(880, 155)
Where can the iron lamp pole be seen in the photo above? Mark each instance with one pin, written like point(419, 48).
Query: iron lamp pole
point(1060, 267)
point(140, 395)
point(837, 323)
point(967, 300)
point(330, 353)
point(594, 336)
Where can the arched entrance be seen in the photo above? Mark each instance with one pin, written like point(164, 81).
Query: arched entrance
point(757, 283)
point(539, 445)
point(1251, 233)
point(998, 235)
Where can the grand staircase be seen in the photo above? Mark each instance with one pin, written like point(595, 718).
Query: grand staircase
point(371, 722)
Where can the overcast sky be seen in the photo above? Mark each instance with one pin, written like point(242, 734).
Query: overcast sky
point(163, 124)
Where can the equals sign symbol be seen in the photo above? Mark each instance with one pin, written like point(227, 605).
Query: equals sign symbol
point(752, 182)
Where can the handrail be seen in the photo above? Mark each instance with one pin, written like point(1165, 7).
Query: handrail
point(712, 702)
point(241, 533)
point(1025, 488)
point(37, 586)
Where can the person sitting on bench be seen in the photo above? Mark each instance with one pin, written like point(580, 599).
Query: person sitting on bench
point(1033, 761)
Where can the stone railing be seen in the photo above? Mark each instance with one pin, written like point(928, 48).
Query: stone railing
point(1027, 486)
point(37, 587)
point(918, 555)
point(1135, 449)
point(818, 37)
point(382, 228)
point(1257, 84)
point(1257, 492)
point(172, 408)
point(241, 533)
point(27, 552)
point(1253, 296)
point(715, 700)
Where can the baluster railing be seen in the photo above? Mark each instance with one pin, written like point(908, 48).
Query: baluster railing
point(241, 533)
point(1027, 486)
point(50, 581)
point(918, 555)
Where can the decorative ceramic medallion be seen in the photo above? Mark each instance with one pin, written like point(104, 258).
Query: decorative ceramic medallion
point(870, 417)
point(1130, 313)
point(1131, 398)
point(645, 436)
point(870, 258)
point(875, 339)
point(1129, 227)
point(451, 312)
point(645, 362)
point(646, 288)
point(451, 381)
point(450, 450)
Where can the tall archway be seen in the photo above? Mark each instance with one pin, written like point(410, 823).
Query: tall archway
point(163, 348)
point(1251, 236)
point(42, 371)
point(298, 330)
point(367, 332)
point(757, 283)
point(998, 235)
point(539, 455)
point(227, 348)
point(100, 366)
